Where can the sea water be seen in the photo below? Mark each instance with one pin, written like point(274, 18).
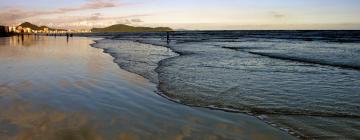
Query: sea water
point(58, 88)
point(307, 82)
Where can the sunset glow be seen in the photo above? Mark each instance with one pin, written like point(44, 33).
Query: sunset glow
point(185, 14)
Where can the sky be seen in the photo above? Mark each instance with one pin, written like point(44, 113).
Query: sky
point(185, 14)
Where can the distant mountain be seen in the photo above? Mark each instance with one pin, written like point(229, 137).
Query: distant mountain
point(29, 25)
point(181, 30)
point(127, 28)
point(35, 27)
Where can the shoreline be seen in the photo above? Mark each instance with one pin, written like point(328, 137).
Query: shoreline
point(207, 75)
point(214, 107)
point(163, 94)
point(112, 100)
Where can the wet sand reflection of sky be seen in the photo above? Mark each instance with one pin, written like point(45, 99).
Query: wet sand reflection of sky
point(51, 89)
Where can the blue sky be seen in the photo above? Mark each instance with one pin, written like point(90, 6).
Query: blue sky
point(186, 14)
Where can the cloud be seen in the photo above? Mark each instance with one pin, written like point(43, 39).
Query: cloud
point(12, 15)
point(277, 14)
point(91, 4)
point(125, 21)
point(136, 20)
point(95, 16)
point(87, 21)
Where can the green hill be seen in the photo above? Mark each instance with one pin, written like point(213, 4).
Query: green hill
point(35, 27)
point(127, 28)
point(29, 25)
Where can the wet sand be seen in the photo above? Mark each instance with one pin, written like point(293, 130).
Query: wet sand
point(297, 81)
point(54, 88)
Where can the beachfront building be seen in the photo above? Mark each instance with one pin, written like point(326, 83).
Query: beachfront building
point(7, 29)
point(3, 29)
point(27, 30)
point(19, 29)
point(80, 31)
point(12, 29)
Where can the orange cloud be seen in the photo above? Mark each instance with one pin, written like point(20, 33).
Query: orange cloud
point(13, 15)
point(88, 21)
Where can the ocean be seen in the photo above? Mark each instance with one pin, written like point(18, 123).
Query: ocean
point(58, 88)
point(304, 82)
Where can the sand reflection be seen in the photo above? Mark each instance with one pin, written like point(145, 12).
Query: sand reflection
point(13, 89)
point(105, 102)
point(27, 122)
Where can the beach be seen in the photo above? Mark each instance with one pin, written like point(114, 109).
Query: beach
point(62, 88)
point(179, 70)
point(304, 83)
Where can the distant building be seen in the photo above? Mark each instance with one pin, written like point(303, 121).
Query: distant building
point(7, 29)
point(12, 29)
point(19, 29)
point(2, 29)
point(80, 31)
point(27, 30)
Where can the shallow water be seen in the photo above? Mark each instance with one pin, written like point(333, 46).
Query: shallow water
point(54, 88)
point(305, 81)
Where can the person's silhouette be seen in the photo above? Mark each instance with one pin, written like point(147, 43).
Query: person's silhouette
point(168, 37)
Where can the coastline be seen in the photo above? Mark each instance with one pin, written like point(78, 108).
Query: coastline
point(304, 125)
point(273, 119)
point(149, 58)
point(113, 101)
point(163, 94)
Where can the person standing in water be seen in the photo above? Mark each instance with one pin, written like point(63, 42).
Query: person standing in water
point(67, 37)
point(168, 37)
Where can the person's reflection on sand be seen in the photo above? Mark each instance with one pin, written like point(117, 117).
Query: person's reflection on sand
point(67, 37)
point(18, 39)
point(22, 38)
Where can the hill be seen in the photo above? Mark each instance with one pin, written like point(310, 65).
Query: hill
point(35, 27)
point(127, 28)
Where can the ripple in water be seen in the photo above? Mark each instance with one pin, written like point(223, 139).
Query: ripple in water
point(307, 82)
